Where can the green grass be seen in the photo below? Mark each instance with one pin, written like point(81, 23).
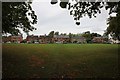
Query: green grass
point(60, 60)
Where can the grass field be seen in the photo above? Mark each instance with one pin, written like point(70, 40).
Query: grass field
point(60, 60)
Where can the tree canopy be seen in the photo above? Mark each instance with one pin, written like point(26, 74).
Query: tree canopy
point(16, 16)
point(51, 34)
point(89, 36)
point(81, 8)
point(114, 27)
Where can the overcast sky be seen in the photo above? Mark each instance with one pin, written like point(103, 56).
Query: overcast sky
point(54, 18)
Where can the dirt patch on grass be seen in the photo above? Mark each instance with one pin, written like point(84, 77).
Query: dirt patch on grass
point(35, 61)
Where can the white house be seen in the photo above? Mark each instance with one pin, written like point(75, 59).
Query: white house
point(112, 41)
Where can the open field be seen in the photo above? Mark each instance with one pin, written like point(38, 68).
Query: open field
point(60, 60)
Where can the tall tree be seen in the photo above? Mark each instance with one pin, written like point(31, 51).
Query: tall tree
point(16, 16)
point(114, 27)
point(64, 34)
point(87, 35)
point(95, 35)
point(70, 37)
point(56, 33)
point(51, 34)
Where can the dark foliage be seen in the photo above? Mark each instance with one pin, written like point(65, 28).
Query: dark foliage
point(15, 16)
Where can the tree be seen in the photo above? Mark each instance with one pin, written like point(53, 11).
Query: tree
point(87, 32)
point(95, 35)
point(114, 22)
point(16, 16)
point(64, 34)
point(56, 33)
point(82, 8)
point(114, 27)
point(70, 37)
point(51, 34)
point(87, 35)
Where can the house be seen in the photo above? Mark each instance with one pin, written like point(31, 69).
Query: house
point(14, 39)
point(32, 39)
point(61, 38)
point(114, 41)
point(100, 40)
point(78, 39)
point(5, 39)
point(44, 39)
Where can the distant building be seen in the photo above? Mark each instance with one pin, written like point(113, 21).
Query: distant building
point(5, 39)
point(61, 38)
point(100, 40)
point(32, 39)
point(44, 39)
point(13, 39)
point(16, 39)
point(78, 39)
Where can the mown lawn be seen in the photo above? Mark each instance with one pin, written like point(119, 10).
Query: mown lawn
point(60, 60)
